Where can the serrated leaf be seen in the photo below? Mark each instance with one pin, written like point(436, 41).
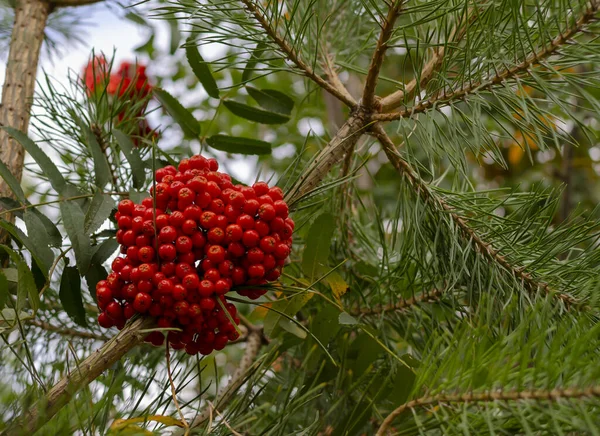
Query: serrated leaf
point(289, 306)
point(41, 158)
point(70, 295)
point(73, 218)
point(40, 242)
point(26, 290)
point(272, 100)
point(183, 117)
point(103, 251)
point(52, 231)
point(201, 69)
point(347, 319)
point(12, 183)
point(236, 144)
point(101, 167)
point(132, 154)
point(255, 114)
point(4, 293)
point(316, 249)
point(98, 212)
point(254, 58)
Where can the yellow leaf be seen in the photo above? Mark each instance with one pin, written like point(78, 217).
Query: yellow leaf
point(166, 420)
point(515, 154)
point(129, 430)
point(338, 286)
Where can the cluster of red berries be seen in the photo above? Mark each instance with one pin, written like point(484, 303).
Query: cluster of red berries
point(130, 80)
point(195, 239)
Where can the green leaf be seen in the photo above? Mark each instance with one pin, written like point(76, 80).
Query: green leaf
point(73, 219)
point(272, 100)
point(52, 232)
point(347, 319)
point(103, 251)
point(41, 158)
point(4, 293)
point(26, 290)
point(147, 47)
point(237, 144)
point(254, 58)
point(40, 242)
point(403, 384)
point(318, 241)
point(101, 167)
point(183, 117)
point(132, 154)
point(292, 328)
point(17, 234)
point(289, 306)
point(12, 183)
point(135, 18)
point(70, 295)
point(201, 69)
point(98, 212)
point(325, 324)
point(175, 36)
point(337, 284)
point(254, 114)
point(93, 275)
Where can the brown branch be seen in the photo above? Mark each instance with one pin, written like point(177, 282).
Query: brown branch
point(87, 371)
point(334, 79)
point(395, 99)
point(387, 27)
point(339, 145)
point(65, 331)
point(485, 248)
point(253, 345)
point(498, 78)
point(19, 84)
point(488, 397)
point(293, 56)
point(432, 296)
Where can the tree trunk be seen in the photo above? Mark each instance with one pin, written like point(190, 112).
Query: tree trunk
point(19, 83)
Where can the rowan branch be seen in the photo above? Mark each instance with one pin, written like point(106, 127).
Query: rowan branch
point(65, 331)
point(470, 235)
point(87, 371)
point(396, 99)
point(432, 296)
point(293, 56)
point(487, 397)
point(387, 27)
point(509, 73)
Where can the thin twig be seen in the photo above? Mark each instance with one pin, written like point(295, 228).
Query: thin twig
point(333, 78)
point(174, 391)
point(532, 59)
point(396, 99)
point(223, 420)
point(432, 296)
point(485, 248)
point(65, 331)
point(293, 56)
point(486, 397)
point(387, 28)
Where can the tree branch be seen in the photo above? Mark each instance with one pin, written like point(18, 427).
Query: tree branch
point(396, 99)
point(253, 345)
point(428, 297)
point(387, 27)
point(486, 397)
point(498, 78)
point(470, 235)
point(87, 371)
point(65, 331)
point(334, 79)
point(293, 56)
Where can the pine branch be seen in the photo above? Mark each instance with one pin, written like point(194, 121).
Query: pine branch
point(500, 77)
point(66, 331)
point(432, 296)
point(470, 235)
point(334, 79)
point(486, 397)
point(387, 28)
point(87, 371)
point(396, 99)
point(253, 345)
point(293, 56)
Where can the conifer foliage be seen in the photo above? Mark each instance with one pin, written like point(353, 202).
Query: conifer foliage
point(414, 261)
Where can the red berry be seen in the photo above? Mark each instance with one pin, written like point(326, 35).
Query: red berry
point(104, 294)
point(262, 228)
point(179, 292)
point(190, 281)
point(208, 220)
point(124, 222)
point(236, 249)
point(181, 308)
point(129, 238)
point(267, 212)
point(198, 240)
point(282, 251)
point(269, 262)
point(276, 193)
point(250, 238)
point(212, 274)
point(114, 311)
point(162, 220)
point(256, 271)
point(167, 234)
point(221, 340)
point(255, 255)
point(246, 222)
point(146, 254)
point(281, 208)
point(183, 269)
point(187, 258)
point(183, 244)
point(261, 188)
point(126, 207)
point(105, 321)
point(167, 268)
point(267, 244)
point(215, 235)
point(142, 241)
point(206, 288)
point(216, 254)
point(222, 287)
point(207, 304)
point(167, 252)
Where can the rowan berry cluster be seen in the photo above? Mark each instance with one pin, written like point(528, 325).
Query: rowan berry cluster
point(128, 81)
point(195, 239)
